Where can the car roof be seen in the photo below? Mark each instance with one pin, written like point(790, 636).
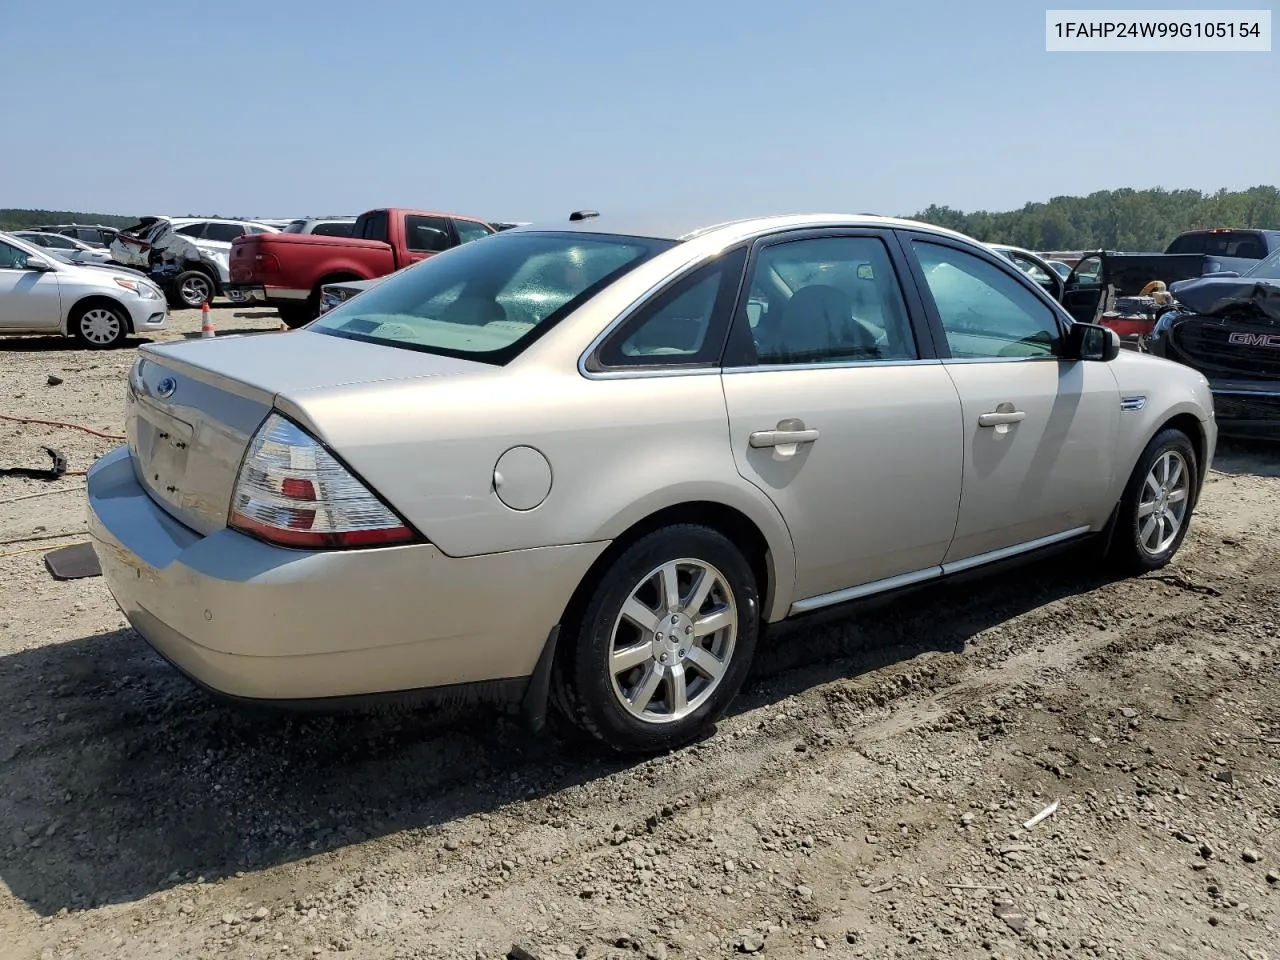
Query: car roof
point(681, 229)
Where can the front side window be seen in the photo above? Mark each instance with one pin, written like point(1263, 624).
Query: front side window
point(828, 300)
point(1268, 269)
point(11, 258)
point(427, 234)
point(486, 301)
point(224, 232)
point(985, 311)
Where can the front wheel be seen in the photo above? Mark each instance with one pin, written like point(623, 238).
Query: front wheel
point(1155, 510)
point(99, 326)
point(664, 642)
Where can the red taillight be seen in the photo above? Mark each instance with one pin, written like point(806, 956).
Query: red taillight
point(292, 492)
point(266, 263)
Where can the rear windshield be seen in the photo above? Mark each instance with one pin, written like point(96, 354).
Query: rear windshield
point(1227, 243)
point(487, 300)
point(295, 227)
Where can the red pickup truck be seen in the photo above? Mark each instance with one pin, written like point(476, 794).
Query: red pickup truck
point(287, 270)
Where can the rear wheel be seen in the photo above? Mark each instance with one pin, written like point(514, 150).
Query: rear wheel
point(1155, 510)
point(192, 289)
point(664, 642)
point(99, 326)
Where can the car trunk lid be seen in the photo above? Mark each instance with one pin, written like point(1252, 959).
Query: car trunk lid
point(192, 408)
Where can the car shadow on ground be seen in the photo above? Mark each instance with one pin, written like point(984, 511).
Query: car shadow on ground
point(119, 779)
point(1259, 458)
point(40, 344)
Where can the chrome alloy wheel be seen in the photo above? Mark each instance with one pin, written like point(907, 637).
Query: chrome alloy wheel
point(194, 290)
point(673, 641)
point(1163, 503)
point(99, 325)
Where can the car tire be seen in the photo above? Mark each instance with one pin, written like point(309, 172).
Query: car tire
point(295, 316)
point(191, 290)
point(659, 694)
point(99, 325)
point(1164, 485)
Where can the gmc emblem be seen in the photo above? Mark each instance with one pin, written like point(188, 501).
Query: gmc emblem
point(1255, 339)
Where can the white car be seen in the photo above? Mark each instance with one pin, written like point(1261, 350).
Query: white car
point(191, 254)
point(98, 305)
point(68, 248)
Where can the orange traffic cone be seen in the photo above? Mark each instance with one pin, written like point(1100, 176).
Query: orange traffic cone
point(206, 322)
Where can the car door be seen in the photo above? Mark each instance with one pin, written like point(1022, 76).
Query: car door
point(1040, 431)
point(840, 412)
point(1082, 293)
point(29, 299)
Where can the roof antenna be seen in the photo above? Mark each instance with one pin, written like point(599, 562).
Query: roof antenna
point(583, 215)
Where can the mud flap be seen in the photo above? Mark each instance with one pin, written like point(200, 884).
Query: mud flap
point(533, 707)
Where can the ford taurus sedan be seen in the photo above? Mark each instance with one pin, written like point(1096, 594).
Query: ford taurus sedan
point(594, 464)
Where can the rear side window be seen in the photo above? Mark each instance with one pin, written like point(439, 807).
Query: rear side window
point(469, 230)
point(224, 232)
point(372, 226)
point(427, 234)
point(191, 230)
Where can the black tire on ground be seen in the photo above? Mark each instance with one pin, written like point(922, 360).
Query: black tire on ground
point(99, 325)
point(295, 315)
point(191, 289)
point(584, 686)
point(1137, 546)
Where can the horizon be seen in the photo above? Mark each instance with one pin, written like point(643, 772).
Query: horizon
point(508, 113)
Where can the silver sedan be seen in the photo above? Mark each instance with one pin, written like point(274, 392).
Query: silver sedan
point(594, 464)
point(41, 293)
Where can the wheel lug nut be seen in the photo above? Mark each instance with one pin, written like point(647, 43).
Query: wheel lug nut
point(659, 636)
point(663, 658)
point(688, 629)
point(675, 619)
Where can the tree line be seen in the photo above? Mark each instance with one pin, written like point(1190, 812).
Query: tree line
point(1125, 219)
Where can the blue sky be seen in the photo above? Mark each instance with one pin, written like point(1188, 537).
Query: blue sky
point(528, 110)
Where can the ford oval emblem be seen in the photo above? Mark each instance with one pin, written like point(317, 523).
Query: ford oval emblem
point(166, 387)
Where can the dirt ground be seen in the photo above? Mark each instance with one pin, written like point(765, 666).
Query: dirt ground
point(866, 797)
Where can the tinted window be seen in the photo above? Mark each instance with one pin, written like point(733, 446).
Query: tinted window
point(985, 311)
point(828, 300)
point(295, 227)
point(1227, 243)
point(684, 324)
point(469, 230)
point(427, 234)
point(191, 229)
point(88, 234)
point(60, 243)
point(332, 230)
point(11, 258)
point(224, 232)
point(372, 226)
point(486, 300)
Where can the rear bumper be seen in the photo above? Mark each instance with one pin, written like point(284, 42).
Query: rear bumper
point(261, 293)
point(258, 622)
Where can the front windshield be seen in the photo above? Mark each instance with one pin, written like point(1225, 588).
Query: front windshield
point(485, 300)
point(1268, 269)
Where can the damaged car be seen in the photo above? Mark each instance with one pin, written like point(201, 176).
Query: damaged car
point(1228, 328)
point(187, 256)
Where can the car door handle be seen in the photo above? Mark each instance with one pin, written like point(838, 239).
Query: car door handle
point(782, 437)
point(1002, 417)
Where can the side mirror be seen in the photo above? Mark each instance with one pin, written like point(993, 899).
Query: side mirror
point(1091, 341)
point(38, 264)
